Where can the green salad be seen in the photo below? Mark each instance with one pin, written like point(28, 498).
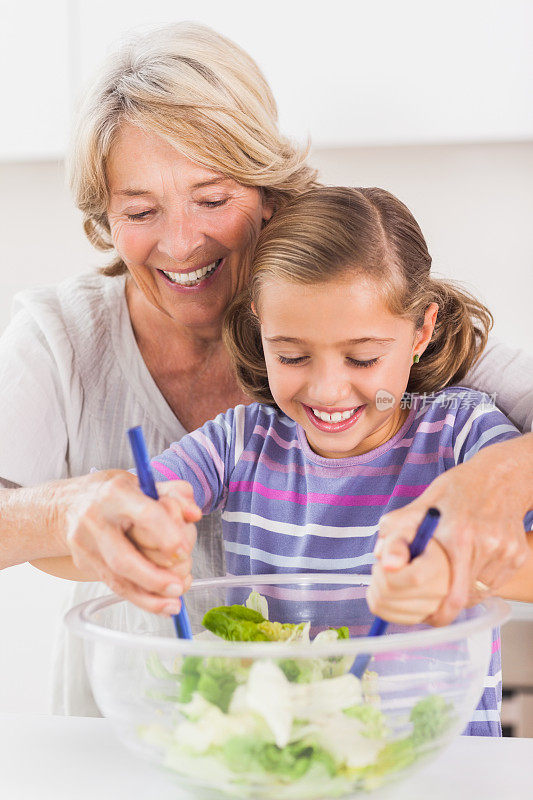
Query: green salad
point(288, 727)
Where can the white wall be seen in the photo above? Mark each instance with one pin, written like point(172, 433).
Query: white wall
point(346, 72)
point(474, 203)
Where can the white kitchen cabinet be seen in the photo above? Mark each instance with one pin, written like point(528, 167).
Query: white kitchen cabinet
point(37, 79)
point(352, 72)
point(344, 72)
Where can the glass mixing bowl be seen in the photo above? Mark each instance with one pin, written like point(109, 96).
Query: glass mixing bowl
point(284, 719)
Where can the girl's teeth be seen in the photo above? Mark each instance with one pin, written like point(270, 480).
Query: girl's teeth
point(193, 277)
point(337, 416)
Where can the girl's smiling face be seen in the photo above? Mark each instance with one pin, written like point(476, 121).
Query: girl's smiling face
point(335, 349)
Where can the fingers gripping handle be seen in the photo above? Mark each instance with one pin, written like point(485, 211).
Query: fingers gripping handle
point(181, 621)
point(424, 533)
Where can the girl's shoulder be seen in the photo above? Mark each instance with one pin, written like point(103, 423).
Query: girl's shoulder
point(258, 418)
point(450, 401)
point(461, 418)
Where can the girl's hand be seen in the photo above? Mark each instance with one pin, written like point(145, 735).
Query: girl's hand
point(141, 548)
point(482, 504)
point(407, 592)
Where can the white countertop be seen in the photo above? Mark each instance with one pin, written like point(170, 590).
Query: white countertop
point(51, 758)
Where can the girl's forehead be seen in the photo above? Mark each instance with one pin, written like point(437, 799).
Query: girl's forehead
point(277, 295)
point(341, 310)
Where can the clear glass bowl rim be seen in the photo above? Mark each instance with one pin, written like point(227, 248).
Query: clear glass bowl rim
point(79, 621)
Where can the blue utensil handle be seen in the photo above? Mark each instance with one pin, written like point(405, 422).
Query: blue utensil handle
point(425, 531)
point(142, 462)
point(378, 627)
point(182, 625)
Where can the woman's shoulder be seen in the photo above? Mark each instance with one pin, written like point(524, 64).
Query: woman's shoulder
point(76, 316)
point(83, 297)
point(72, 325)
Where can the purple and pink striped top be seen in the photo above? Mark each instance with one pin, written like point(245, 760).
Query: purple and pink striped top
point(287, 509)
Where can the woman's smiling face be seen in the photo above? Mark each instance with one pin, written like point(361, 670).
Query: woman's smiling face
point(335, 349)
point(168, 214)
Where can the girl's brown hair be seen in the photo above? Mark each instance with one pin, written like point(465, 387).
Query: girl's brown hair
point(329, 233)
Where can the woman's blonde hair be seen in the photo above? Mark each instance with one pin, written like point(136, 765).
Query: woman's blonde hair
point(331, 233)
point(201, 93)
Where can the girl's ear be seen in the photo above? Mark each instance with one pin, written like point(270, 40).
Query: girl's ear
point(424, 334)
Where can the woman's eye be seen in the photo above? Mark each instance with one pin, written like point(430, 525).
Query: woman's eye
point(285, 360)
point(214, 203)
point(369, 363)
point(140, 215)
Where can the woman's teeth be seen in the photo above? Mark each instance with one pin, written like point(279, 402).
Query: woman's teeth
point(337, 416)
point(194, 277)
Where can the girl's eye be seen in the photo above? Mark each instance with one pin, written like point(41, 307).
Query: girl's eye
point(141, 215)
point(356, 363)
point(214, 203)
point(369, 363)
point(285, 360)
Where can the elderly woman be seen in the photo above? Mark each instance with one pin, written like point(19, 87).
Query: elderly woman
point(177, 164)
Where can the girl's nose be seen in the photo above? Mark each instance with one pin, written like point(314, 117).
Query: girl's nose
point(181, 238)
point(329, 389)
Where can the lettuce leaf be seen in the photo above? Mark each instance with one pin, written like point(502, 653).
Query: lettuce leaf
point(244, 754)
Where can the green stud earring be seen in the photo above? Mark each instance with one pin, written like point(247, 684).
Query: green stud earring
point(416, 358)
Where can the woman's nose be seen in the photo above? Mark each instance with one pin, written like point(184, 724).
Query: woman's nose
point(181, 238)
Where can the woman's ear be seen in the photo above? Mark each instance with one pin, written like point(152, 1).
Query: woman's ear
point(267, 210)
point(424, 334)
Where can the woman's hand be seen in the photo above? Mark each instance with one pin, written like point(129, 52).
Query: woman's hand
point(482, 505)
point(407, 592)
point(141, 548)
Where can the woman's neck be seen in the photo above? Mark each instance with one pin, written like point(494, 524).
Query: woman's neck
point(161, 338)
point(191, 368)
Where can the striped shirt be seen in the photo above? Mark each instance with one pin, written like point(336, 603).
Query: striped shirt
point(287, 509)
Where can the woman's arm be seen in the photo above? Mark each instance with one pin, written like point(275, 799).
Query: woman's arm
point(202, 460)
point(409, 593)
point(29, 525)
point(483, 503)
point(113, 532)
point(520, 586)
point(506, 373)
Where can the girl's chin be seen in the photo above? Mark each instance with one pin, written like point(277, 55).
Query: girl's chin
point(325, 452)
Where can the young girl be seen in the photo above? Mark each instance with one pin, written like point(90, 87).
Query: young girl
point(346, 343)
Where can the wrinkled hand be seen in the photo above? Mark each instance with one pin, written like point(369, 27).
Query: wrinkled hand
point(407, 592)
point(482, 505)
point(141, 548)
